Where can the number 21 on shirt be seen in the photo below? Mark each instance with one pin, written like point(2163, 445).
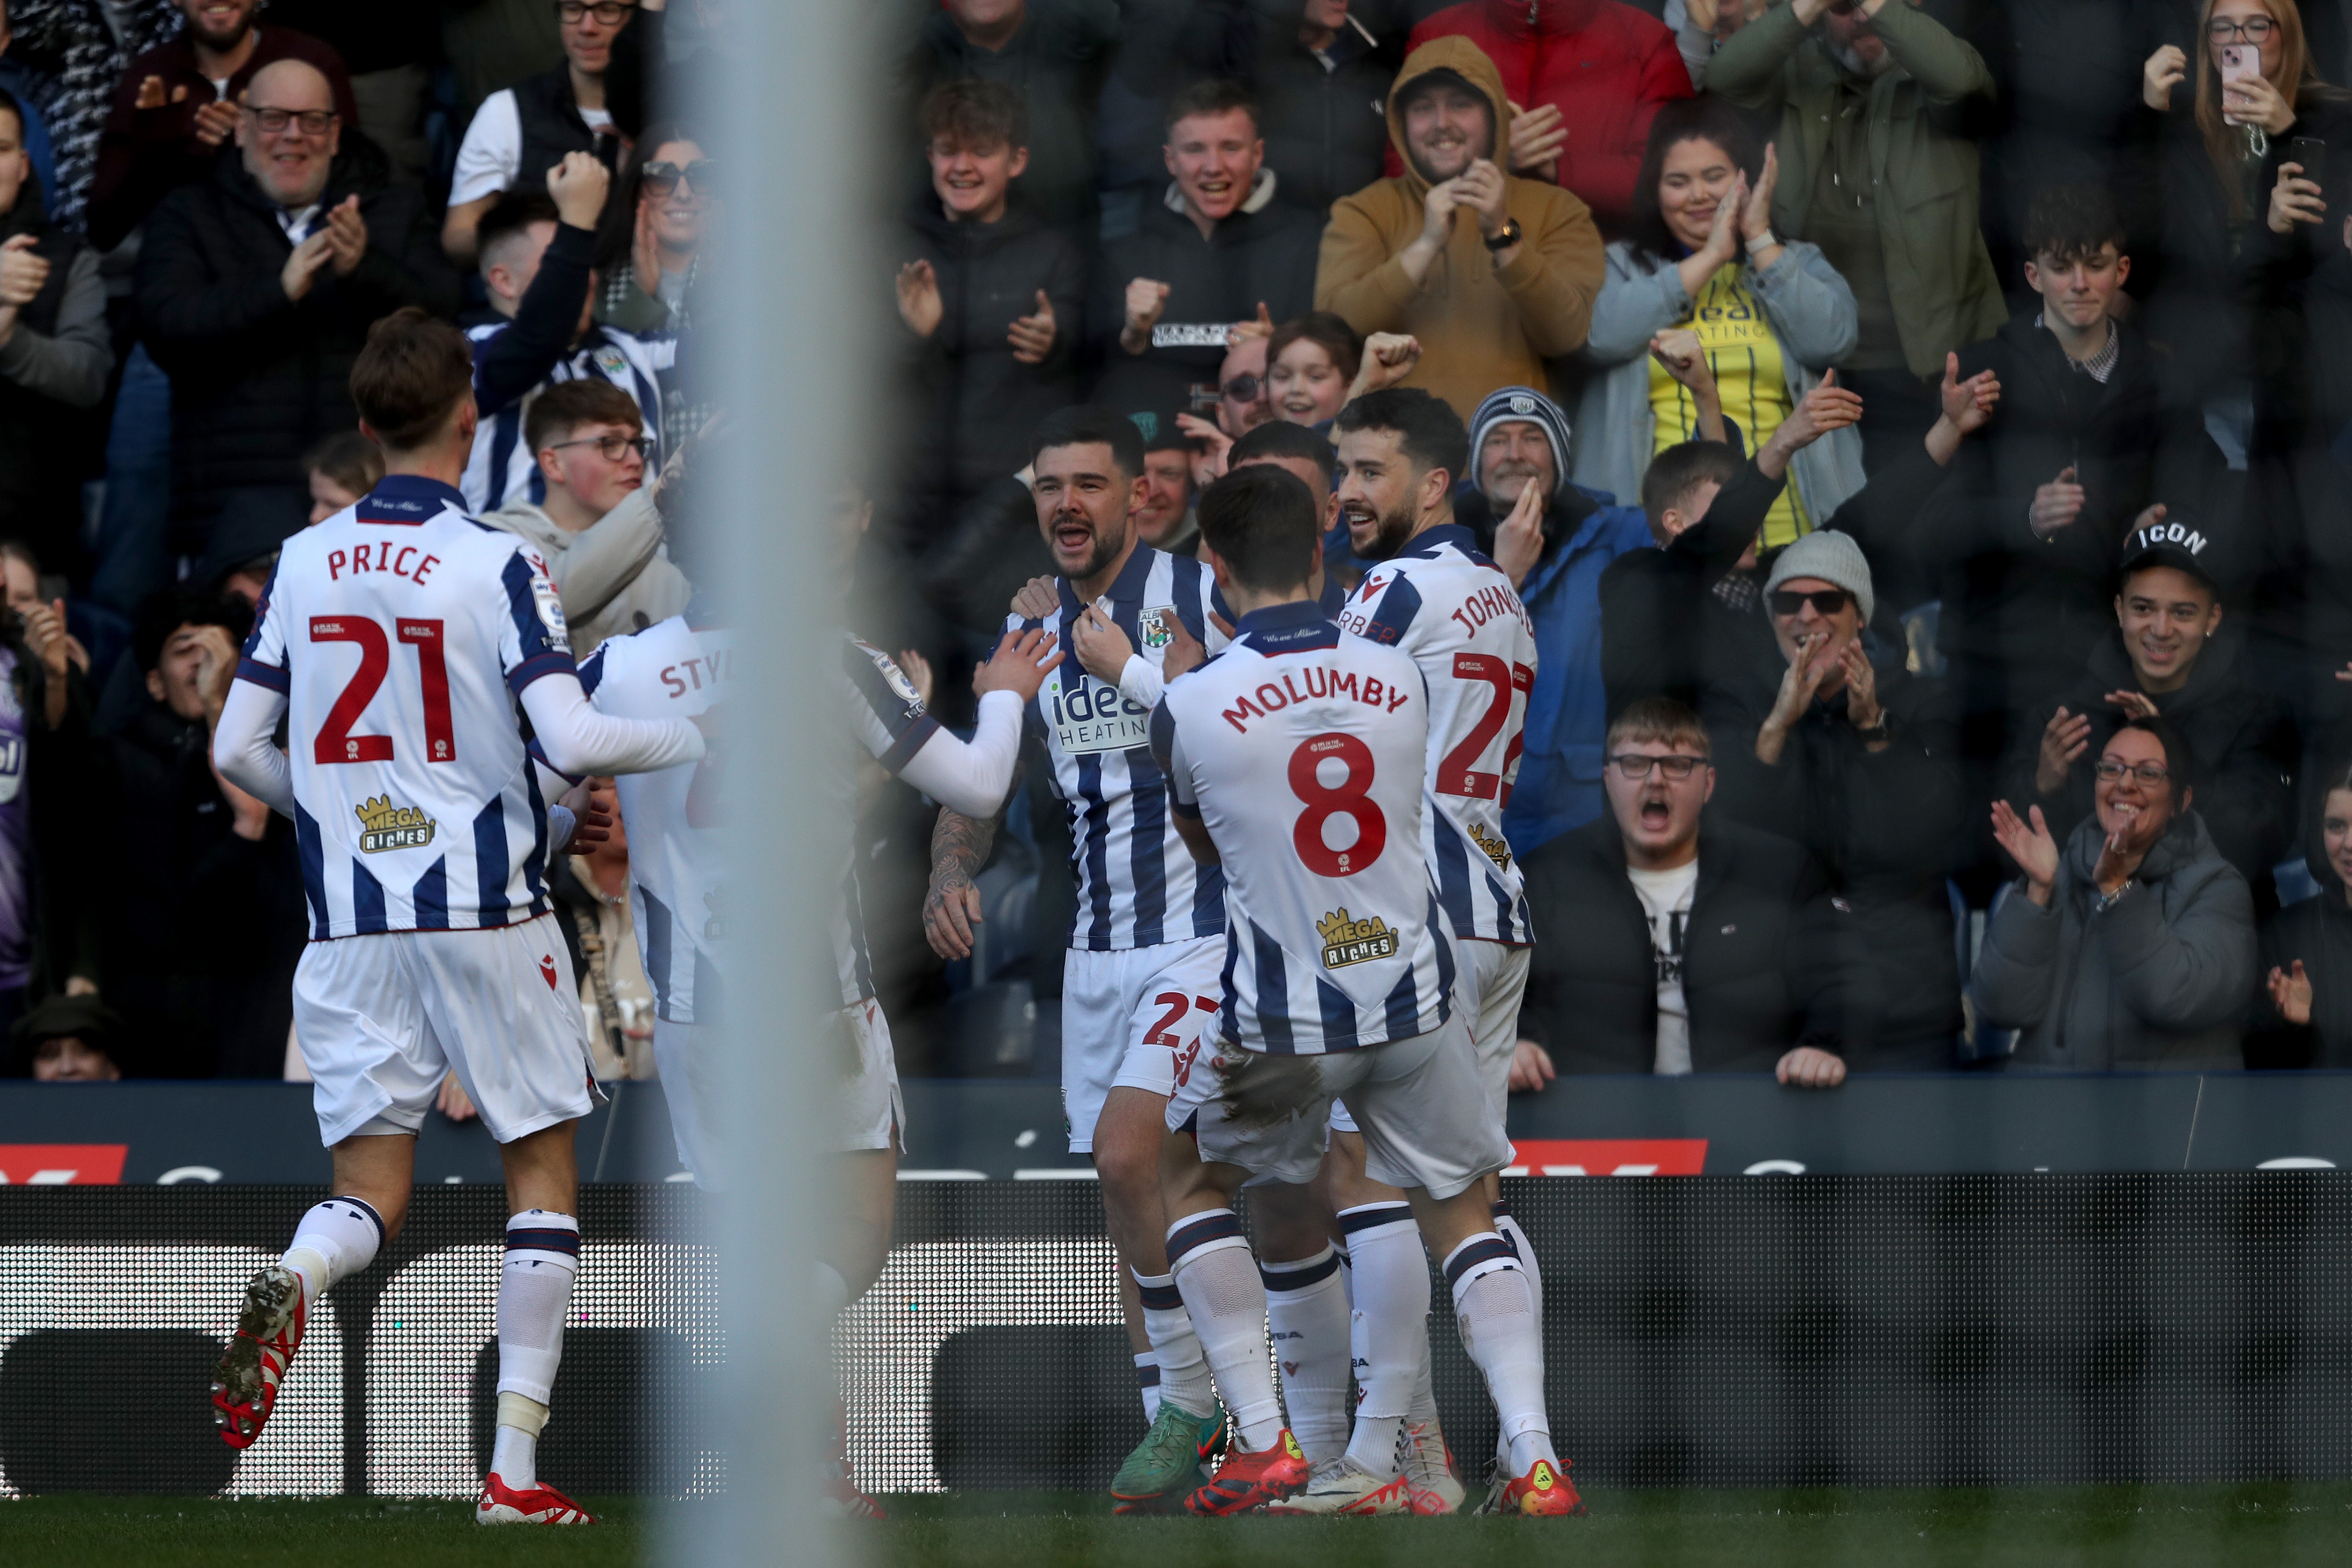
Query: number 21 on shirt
point(335, 742)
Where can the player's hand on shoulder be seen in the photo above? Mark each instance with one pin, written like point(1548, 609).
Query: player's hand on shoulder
point(1019, 665)
point(1037, 600)
point(1185, 653)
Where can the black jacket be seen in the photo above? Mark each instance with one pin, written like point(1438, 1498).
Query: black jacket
point(1326, 129)
point(975, 405)
point(258, 379)
point(2245, 748)
point(45, 445)
point(2021, 612)
point(1881, 825)
point(1265, 257)
point(1762, 964)
point(2318, 933)
point(201, 929)
point(1667, 625)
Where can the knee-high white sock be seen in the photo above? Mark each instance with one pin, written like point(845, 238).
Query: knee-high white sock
point(1147, 1382)
point(334, 1239)
point(1393, 1306)
point(1218, 1279)
point(1508, 1227)
point(534, 1291)
point(1497, 1319)
point(1420, 1422)
point(1175, 1347)
point(1306, 1308)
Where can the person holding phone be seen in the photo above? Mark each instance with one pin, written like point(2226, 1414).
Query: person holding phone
point(2257, 88)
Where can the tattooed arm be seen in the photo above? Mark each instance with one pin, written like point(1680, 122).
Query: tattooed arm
point(959, 846)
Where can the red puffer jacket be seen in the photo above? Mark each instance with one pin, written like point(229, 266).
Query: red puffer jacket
point(1607, 65)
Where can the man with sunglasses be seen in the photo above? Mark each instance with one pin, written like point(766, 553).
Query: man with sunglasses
point(597, 528)
point(1676, 941)
point(1839, 747)
point(521, 133)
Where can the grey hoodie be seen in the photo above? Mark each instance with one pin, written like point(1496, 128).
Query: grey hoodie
point(608, 576)
point(2159, 981)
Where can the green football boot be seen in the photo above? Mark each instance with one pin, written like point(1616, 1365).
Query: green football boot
point(1168, 1464)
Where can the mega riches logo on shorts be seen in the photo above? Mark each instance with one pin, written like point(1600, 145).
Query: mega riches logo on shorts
point(385, 826)
point(1347, 940)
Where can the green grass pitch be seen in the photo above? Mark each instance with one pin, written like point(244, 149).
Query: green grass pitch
point(2270, 1525)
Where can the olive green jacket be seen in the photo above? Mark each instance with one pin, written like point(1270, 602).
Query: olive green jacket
point(1923, 169)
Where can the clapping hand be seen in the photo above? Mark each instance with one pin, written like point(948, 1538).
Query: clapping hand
point(304, 263)
point(2135, 704)
point(1538, 135)
point(2290, 994)
point(2064, 741)
point(920, 305)
point(1032, 336)
point(2057, 504)
point(1970, 404)
point(216, 122)
point(2035, 852)
point(347, 237)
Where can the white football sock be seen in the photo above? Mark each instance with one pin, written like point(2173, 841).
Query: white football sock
point(332, 1241)
point(1497, 1315)
point(1175, 1347)
point(1420, 1415)
point(1306, 1307)
point(1218, 1279)
point(1509, 1229)
point(1147, 1382)
point(534, 1292)
point(514, 1456)
point(1392, 1307)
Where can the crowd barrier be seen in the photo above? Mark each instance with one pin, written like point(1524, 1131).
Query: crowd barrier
point(1920, 1281)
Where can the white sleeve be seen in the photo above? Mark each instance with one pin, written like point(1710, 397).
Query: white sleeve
point(242, 748)
point(491, 155)
point(970, 777)
point(1140, 682)
point(578, 740)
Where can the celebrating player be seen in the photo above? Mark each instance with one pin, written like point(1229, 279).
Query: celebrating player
point(682, 666)
point(1432, 594)
point(396, 639)
point(1296, 761)
point(1147, 936)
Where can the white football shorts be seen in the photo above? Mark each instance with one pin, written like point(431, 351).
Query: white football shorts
point(867, 1111)
point(1490, 979)
point(381, 1018)
point(1127, 1016)
point(1418, 1102)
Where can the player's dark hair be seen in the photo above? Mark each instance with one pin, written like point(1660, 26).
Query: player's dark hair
point(1086, 425)
point(1337, 339)
point(1429, 432)
point(509, 216)
point(1679, 470)
point(1261, 521)
point(1211, 98)
point(1281, 438)
point(347, 457)
point(163, 613)
point(2071, 222)
point(410, 376)
point(568, 405)
point(976, 115)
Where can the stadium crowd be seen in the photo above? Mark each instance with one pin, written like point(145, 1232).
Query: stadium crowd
point(1918, 431)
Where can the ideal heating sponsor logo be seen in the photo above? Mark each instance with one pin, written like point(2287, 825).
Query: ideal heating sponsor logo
point(1092, 717)
point(385, 826)
point(1347, 940)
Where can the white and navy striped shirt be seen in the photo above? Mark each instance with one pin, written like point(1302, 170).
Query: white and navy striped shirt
point(1301, 748)
point(670, 670)
point(402, 631)
point(1456, 614)
point(1137, 884)
point(502, 469)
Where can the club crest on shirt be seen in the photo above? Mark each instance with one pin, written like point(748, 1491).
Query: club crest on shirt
point(1492, 845)
point(1348, 941)
point(905, 688)
point(1157, 625)
point(611, 361)
point(385, 826)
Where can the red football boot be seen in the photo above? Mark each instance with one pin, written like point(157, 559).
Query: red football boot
point(1545, 1491)
point(1252, 1477)
point(252, 1370)
point(501, 1504)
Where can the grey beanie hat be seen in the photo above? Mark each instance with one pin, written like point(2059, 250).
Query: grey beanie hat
point(1831, 557)
point(1523, 403)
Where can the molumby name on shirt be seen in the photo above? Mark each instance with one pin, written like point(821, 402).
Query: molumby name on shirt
point(1321, 683)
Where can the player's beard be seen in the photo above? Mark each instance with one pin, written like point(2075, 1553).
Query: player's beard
point(1395, 527)
point(1108, 542)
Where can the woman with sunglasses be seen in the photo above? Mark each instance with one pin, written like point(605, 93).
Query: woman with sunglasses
point(2131, 946)
point(651, 238)
point(2256, 88)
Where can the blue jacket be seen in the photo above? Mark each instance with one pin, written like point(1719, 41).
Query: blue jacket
point(1558, 786)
